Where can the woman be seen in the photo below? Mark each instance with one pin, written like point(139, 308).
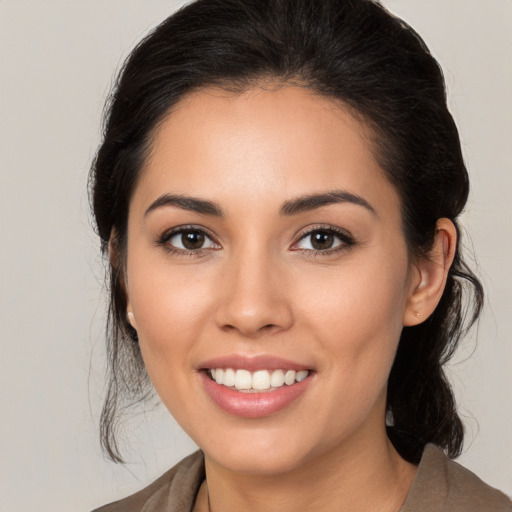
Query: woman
point(278, 191)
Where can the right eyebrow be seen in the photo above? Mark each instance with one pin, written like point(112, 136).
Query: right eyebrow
point(313, 201)
point(193, 204)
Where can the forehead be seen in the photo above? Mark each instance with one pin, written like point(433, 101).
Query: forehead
point(260, 144)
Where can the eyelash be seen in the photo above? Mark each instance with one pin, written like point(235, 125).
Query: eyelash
point(163, 241)
point(347, 241)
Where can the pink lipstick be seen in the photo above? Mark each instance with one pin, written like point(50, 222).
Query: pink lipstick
point(254, 386)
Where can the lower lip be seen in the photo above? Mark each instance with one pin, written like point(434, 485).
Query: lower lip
point(253, 405)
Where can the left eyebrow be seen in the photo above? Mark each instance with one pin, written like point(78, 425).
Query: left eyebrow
point(312, 201)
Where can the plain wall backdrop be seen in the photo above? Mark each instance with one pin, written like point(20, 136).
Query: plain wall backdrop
point(57, 61)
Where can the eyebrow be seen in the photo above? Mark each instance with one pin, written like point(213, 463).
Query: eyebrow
point(313, 201)
point(187, 203)
point(292, 207)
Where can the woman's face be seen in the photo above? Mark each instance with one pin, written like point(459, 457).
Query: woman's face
point(264, 239)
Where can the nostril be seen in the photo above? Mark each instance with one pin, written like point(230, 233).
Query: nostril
point(249, 330)
point(252, 315)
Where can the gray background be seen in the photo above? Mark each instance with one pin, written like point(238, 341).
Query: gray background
point(57, 60)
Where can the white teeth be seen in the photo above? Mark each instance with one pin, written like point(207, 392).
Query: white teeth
point(229, 377)
point(243, 379)
point(219, 373)
point(277, 379)
point(289, 377)
point(261, 380)
point(300, 376)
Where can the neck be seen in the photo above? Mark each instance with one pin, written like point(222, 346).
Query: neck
point(358, 476)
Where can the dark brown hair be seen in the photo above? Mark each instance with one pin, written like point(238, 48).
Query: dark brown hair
point(353, 51)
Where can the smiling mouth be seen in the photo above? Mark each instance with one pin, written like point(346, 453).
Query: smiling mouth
point(258, 381)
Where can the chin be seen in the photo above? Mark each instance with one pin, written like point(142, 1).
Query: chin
point(263, 452)
point(257, 462)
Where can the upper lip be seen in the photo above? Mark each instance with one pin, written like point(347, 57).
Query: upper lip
point(253, 363)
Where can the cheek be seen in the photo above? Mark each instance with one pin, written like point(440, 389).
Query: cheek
point(356, 315)
point(170, 305)
point(170, 312)
point(358, 298)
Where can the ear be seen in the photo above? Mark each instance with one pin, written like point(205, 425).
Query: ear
point(115, 261)
point(114, 254)
point(429, 275)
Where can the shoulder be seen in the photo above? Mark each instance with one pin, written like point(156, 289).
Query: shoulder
point(176, 488)
point(444, 485)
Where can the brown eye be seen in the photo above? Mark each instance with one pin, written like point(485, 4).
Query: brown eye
point(321, 240)
point(192, 239)
point(324, 240)
point(187, 239)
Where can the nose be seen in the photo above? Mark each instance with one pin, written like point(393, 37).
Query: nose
point(253, 297)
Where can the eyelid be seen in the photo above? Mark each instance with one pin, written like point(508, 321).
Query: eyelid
point(343, 235)
point(164, 238)
point(347, 240)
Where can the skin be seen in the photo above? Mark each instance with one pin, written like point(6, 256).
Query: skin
point(259, 286)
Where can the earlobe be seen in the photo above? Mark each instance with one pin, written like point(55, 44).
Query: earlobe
point(430, 275)
point(131, 318)
point(115, 262)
